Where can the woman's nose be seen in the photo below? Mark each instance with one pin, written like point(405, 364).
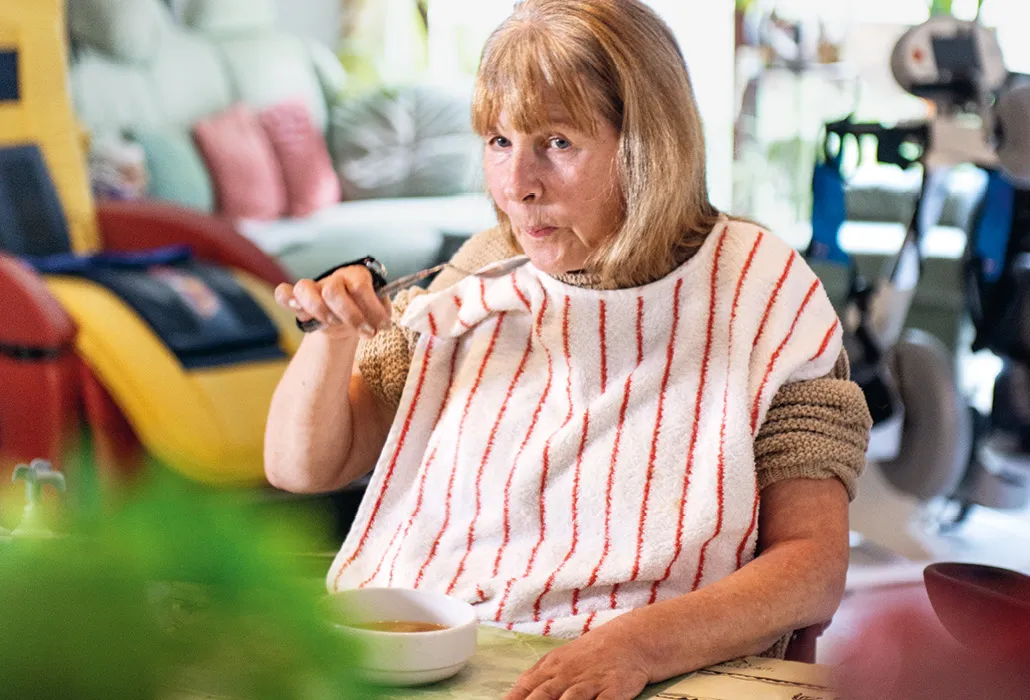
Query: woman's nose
point(522, 182)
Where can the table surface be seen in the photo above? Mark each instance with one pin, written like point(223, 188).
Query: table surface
point(502, 656)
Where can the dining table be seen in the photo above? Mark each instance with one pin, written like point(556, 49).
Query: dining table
point(502, 656)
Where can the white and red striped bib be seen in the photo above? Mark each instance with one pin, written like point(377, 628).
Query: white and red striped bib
point(562, 455)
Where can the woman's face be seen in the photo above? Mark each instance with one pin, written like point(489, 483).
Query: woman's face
point(558, 186)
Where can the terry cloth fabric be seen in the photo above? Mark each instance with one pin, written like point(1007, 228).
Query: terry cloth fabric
point(814, 429)
point(542, 424)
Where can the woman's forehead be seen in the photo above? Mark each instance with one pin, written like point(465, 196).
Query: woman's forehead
point(554, 116)
point(541, 112)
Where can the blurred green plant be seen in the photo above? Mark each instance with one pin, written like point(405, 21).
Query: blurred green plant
point(383, 43)
point(36, 475)
point(172, 592)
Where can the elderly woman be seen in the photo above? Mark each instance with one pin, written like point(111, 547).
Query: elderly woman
point(643, 439)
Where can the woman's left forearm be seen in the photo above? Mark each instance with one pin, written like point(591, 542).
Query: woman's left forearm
point(796, 581)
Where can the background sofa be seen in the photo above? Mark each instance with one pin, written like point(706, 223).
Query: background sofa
point(408, 161)
point(407, 158)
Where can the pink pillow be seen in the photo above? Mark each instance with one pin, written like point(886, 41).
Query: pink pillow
point(247, 177)
point(311, 181)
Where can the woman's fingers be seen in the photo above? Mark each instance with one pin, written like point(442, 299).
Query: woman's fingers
point(342, 306)
point(284, 297)
point(355, 284)
point(346, 301)
point(536, 685)
point(549, 690)
point(309, 295)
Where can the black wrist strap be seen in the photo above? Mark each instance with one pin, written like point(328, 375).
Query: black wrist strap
point(376, 268)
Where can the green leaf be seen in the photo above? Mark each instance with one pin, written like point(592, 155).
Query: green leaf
point(174, 588)
point(53, 478)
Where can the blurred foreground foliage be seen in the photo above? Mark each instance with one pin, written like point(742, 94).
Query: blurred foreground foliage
point(175, 591)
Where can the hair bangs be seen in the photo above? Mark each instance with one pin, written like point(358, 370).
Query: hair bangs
point(524, 74)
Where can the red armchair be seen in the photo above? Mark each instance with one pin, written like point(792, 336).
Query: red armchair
point(43, 385)
point(137, 226)
point(37, 367)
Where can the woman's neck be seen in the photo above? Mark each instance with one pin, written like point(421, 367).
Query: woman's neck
point(592, 280)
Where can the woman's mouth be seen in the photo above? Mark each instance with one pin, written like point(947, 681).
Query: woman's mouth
point(540, 231)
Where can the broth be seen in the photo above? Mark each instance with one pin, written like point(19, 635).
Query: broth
point(399, 626)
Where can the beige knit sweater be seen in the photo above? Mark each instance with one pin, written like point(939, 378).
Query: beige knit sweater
point(816, 429)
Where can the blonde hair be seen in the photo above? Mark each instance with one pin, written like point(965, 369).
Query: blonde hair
point(614, 60)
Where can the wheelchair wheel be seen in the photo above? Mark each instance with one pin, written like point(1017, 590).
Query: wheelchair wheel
point(937, 435)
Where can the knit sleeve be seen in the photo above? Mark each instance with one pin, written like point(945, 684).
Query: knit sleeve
point(815, 429)
point(384, 359)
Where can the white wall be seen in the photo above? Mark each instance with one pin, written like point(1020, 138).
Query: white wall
point(704, 30)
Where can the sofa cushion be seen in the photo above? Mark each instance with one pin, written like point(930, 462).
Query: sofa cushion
point(412, 142)
point(311, 182)
point(405, 234)
point(248, 180)
point(176, 169)
point(272, 67)
point(188, 80)
point(128, 30)
point(184, 82)
point(228, 16)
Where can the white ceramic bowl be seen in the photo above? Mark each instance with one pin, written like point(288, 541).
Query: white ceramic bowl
point(406, 658)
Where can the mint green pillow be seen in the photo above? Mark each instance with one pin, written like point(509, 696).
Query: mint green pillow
point(176, 168)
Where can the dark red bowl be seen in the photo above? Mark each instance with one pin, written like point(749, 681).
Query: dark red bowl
point(985, 608)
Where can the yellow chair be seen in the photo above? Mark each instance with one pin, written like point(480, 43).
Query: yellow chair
point(197, 406)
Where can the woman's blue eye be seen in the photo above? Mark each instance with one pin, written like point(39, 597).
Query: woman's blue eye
point(501, 141)
point(560, 143)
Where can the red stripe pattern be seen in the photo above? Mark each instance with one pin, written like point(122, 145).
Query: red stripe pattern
point(553, 510)
point(613, 597)
point(425, 473)
point(612, 464)
point(750, 528)
point(721, 462)
point(776, 355)
point(392, 465)
point(670, 352)
point(490, 442)
point(575, 528)
point(826, 341)
point(525, 441)
point(696, 423)
point(765, 318)
point(546, 457)
point(461, 431)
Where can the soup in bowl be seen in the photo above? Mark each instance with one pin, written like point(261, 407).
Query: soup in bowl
point(409, 637)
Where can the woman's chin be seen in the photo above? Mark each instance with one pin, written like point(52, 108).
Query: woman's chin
point(548, 260)
point(546, 265)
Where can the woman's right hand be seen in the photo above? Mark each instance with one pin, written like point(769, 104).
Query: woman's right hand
point(345, 302)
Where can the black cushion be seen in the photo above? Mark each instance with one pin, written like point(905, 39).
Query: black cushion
point(31, 218)
point(199, 310)
point(10, 90)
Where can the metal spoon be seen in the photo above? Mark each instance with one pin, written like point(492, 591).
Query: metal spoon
point(494, 269)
